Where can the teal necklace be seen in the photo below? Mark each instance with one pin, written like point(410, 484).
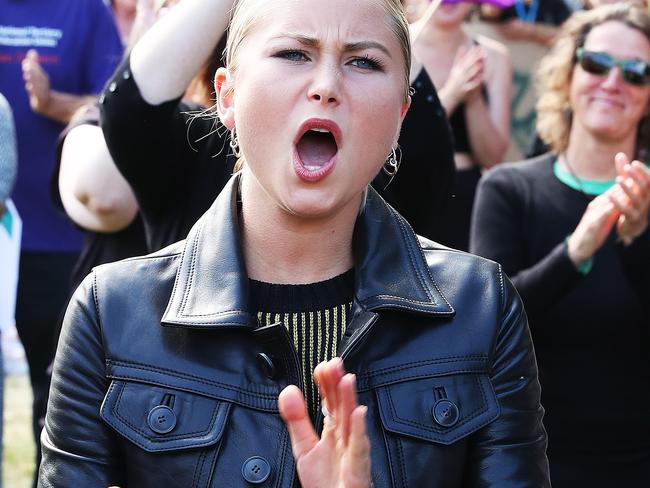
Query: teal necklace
point(585, 186)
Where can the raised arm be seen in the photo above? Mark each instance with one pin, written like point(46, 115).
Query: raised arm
point(152, 136)
point(166, 59)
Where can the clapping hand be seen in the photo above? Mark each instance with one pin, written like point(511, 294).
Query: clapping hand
point(37, 82)
point(631, 197)
point(466, 76)
point(340, 458)
point(626, 205)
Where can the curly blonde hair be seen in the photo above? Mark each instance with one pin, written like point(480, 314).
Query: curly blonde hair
point(554, 114)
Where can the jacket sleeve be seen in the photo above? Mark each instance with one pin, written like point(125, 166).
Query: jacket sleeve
point(511, 451)
point(78, 449)
point(499, 233)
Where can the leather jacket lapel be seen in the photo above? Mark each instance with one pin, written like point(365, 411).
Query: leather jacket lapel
point(211, 287)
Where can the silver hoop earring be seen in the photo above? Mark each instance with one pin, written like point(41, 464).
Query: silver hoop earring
point(234, 143)
point(391, 166)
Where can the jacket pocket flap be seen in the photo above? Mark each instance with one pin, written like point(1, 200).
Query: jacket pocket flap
point(441, 409)
point(162, 419)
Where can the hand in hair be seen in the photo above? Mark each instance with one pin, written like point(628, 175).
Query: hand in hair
point(340, 458)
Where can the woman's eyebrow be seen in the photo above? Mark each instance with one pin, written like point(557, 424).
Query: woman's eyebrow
point(361, 45)
point(348, 46)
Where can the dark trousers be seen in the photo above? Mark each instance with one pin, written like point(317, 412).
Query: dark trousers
point(43, 292)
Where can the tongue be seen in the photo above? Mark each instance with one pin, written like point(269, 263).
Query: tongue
point(316, 148)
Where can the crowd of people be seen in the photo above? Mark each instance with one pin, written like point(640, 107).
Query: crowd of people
point(323, 272)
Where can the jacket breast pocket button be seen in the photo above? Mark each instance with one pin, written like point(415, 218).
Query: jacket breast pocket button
point(267, 365)
point(256, 470)
point(161, 419)
point(446, 413)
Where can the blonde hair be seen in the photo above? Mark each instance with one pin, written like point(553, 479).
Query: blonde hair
point(247, 12)
point(554, 114)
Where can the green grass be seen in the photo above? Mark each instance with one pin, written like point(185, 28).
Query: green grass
point(18, 450)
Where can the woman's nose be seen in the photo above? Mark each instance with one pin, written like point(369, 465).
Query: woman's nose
point(613, 78)
point(326, 85)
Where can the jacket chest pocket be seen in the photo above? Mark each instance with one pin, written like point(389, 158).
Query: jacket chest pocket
point(428, 425)
point(173, 435)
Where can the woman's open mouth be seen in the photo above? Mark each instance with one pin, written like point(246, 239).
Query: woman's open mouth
point(315, 149)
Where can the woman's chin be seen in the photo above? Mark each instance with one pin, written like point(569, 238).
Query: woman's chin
point(313, 204)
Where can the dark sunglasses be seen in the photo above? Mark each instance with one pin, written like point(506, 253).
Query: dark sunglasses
point(633, 71)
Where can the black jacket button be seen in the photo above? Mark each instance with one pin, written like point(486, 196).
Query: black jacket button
point(446, 413)
point(112, 87)
point(256, 470)
point(161, 419)
point(267, 365)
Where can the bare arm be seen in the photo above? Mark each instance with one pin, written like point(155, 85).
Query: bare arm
point(176, 47)
point(61, 106)
point(488, 124)
point(94, 194)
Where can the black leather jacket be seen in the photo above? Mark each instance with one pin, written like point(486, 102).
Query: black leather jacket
point(158, 383)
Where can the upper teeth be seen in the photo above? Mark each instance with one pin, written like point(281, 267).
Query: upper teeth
point(320, 130)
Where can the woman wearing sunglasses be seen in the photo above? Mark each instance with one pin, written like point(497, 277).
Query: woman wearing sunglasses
point(571, 229)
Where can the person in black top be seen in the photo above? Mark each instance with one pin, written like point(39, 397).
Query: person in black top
point(474, 78)
point(570, 227)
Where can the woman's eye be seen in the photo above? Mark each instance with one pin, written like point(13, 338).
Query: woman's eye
point(292, 55)
point(367, 63)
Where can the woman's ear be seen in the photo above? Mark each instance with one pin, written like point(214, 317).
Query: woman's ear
point(405, 107)
point(225, 98)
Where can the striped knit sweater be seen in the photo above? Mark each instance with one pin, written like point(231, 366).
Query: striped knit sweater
point(315, 316)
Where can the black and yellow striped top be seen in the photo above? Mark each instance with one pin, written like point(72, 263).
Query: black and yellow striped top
point(315, 316)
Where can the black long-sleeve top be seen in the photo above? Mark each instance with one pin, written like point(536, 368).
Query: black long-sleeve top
point(177, 162)
point(591, 332)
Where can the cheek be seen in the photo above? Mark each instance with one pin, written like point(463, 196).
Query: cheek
point(642, 101)
point(379, 112)
point(258, 113)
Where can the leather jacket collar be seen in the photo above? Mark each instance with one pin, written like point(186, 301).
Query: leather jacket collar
point(211, 287)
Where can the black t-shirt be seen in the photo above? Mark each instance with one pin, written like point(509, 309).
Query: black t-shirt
point(590, 331)
point(98, 247)
point(451, 209)
point(177, 162)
